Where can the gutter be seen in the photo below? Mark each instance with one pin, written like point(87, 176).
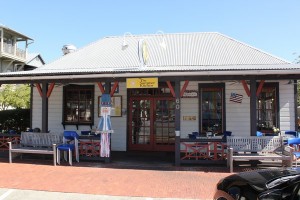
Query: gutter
point(151, 74)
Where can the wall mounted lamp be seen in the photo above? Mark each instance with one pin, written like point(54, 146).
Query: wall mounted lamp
point(125, 44)
point(162, 43)
point(292, 82)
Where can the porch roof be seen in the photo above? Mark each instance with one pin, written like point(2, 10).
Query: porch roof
point(15, 32)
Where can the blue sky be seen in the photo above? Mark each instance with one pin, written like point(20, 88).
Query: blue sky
point(269, 25)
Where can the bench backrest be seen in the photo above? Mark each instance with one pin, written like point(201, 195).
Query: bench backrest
point(40, 139)
point(262, 144)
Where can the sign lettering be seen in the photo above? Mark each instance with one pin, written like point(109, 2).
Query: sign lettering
point(142, 82)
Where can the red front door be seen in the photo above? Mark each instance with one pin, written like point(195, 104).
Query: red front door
point(151, 123)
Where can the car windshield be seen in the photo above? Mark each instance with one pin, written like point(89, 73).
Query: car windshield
point(275, 182)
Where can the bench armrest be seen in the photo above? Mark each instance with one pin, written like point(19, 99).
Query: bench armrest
point(12, 146)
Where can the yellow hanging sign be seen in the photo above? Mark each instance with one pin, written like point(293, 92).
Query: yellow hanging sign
point(142, 82)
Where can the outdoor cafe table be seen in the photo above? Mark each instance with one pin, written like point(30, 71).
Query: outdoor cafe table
point(209, 150)
point(89, 147)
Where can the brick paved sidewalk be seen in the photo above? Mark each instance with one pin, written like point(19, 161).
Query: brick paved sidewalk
point(108, 179)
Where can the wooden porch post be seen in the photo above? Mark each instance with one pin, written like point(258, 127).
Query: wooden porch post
point(177, 123)
point(44, 107)
point(253, 119)
point(31, 104)
point(295, 104)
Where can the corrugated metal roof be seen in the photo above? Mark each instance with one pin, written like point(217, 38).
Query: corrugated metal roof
point(31, 60)
point(182, 50)
point(30, 57)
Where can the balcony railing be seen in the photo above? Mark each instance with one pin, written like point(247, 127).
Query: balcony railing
point(10, 49)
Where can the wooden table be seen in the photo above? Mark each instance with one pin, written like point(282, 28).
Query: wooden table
point(89, 147)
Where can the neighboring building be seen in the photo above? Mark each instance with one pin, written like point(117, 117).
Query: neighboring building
point(206, 82)
point(34, 60)
point(13, 50)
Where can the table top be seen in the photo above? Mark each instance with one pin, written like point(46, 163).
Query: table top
point(203, 139)
point(90, 137)
point(9, 135)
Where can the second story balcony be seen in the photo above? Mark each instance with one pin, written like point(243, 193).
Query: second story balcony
point(12, 50)
point(13, 45)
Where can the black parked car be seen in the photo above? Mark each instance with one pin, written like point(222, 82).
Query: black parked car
point(264, 184)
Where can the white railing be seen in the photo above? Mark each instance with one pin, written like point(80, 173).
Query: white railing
point(21, 53)
point(10, 49)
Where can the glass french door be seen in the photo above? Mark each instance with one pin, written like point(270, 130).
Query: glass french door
point(151, 124)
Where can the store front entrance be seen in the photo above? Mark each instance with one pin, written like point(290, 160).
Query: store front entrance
point(151, 123)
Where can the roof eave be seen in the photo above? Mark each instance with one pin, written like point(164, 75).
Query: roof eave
point(56, 77)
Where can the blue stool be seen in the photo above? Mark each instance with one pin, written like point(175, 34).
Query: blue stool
point(70, 144)
point(293, 133)
point(192, 136)
point(225, 134)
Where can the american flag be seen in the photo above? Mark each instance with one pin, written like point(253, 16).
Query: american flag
point(236, 98)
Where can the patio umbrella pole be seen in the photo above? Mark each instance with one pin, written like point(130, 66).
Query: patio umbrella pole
point(104, 126)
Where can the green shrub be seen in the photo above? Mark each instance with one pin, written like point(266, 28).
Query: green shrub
point(17, 120)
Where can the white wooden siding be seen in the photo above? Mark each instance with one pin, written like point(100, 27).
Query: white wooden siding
point(286, 106)
point(55, 109)
point(189, 107)
point(36, 109)
point(237, 114)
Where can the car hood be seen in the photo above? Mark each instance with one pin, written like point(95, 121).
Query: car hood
point(257, 179)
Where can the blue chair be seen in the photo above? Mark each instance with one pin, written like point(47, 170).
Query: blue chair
point(225, 134)
point(192, 136)
point(295, 143)
point(259, 134)
point(292, 133)
point(195, 134)
point(70, 144)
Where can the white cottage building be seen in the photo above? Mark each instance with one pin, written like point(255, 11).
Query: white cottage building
point(163, 88)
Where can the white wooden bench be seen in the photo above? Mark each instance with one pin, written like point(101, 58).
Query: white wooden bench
point(36, 143)
point(258, 148)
